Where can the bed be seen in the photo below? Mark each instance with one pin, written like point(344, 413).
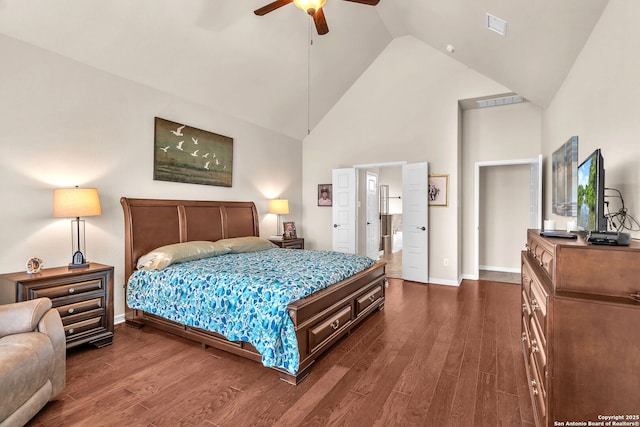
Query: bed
point(318, 320)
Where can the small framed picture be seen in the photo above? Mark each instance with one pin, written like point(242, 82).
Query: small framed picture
point(325, 198)
point(289, 230)
point(439, 190)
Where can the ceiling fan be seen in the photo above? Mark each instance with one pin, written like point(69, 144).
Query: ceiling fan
point(311, 7)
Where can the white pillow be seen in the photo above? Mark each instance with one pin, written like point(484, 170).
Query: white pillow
point(164, 256)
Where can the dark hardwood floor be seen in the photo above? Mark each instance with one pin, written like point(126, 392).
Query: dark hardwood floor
point(435, 356)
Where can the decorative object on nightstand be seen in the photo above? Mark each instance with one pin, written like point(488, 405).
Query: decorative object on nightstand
point(279, 207)
point(76, 202)
point(289, 230)
point(34, 265)
point(297, 243)
point(82, 296)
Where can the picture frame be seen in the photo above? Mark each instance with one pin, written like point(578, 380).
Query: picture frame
point(289, 228)
point(564, 166)
point(186, 154)
point(439, 190)
point(325, 195)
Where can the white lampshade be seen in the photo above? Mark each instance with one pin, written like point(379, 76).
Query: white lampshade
point(279, 206)
point(76, 202)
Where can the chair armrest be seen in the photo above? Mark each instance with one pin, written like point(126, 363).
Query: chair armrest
point(51, 325)
point(23, 316)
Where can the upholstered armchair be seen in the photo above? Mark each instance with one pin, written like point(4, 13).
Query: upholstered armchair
point(32, 359)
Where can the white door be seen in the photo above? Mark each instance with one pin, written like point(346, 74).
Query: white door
point(344, 210)
point(415, 222)
point(372, 214)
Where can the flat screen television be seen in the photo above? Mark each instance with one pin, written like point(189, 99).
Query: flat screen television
point(591, 216)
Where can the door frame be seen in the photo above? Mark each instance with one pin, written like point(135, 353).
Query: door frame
point(476, 201)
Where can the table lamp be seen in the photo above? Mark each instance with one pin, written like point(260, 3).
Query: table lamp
point(279, 207)
point(76, 202)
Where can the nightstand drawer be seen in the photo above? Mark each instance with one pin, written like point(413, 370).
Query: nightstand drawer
point(66, 290)
point(295, 243)
point(78, 328)
point(80, 307)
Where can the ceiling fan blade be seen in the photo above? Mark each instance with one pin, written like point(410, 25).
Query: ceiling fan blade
point(321, 22)
point(367, 2)
point(271, 7)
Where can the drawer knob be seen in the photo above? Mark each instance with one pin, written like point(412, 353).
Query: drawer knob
point(71, 290)
point(371, 298)
point(524, 308)
point(534, 305)
point(335, 324)
point(70, 311)
point(535, 349)
point(524, 336)
point(534, 391)
point(636, 296)
point(71, 331)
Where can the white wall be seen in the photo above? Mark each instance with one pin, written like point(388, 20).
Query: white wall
point(497, 134)
point(404, 107)
point(598, 101)
point(66, 124)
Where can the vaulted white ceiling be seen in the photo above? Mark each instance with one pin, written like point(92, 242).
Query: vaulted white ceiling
point(263, 69)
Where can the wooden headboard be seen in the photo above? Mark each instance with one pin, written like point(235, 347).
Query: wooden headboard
point(151, 223)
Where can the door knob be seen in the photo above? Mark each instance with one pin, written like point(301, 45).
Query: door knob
point(335, 226)
point(421, 228)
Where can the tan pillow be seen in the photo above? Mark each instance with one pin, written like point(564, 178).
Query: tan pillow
point(180, 252)
point(238, 245)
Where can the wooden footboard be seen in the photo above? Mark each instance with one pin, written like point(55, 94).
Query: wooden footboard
point(320, 319)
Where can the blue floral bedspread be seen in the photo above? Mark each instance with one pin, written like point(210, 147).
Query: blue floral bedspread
point(243, 296)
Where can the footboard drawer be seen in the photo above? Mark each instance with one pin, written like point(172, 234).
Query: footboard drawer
point(368, 299)
point(327, 328)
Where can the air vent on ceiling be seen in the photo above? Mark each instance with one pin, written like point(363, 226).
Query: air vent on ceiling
point(496, 24)
point(503, 100)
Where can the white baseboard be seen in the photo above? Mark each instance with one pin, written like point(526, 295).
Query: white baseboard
point(118, 318)
point(500, 269)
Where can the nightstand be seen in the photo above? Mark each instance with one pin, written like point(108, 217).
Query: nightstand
point(82, 296)
point(297, 243)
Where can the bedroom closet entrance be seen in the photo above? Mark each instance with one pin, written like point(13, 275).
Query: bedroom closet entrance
point(378, 211)
point(502, 210)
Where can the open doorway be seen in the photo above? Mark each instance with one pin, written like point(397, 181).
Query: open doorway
point(503, 212)
point(389, 220)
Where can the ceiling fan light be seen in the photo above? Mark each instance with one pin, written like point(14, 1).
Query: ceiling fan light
point(309, 6)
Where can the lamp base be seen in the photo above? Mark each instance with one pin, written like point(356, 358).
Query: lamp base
point(83, 265)
point(78, 261)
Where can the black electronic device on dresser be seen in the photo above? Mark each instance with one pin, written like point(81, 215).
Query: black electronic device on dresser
point(82, 296)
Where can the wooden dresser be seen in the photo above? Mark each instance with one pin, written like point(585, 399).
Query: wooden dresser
point(83, 297)
point(581, 330)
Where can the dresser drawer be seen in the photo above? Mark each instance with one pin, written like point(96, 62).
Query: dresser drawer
point(332, 325)
point(64, 290)
point(539, 302)
point(539, 350)
point(538, 392)
point(542, 252)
